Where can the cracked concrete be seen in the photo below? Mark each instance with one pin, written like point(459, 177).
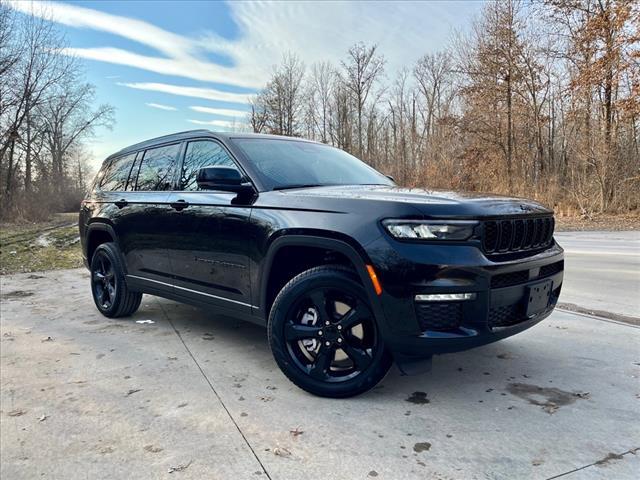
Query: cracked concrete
point(208, 401)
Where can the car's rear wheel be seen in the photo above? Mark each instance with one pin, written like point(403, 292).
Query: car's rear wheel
point(108, 285)
point(324, 336)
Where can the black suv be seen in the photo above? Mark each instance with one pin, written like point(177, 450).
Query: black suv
point(348, 271)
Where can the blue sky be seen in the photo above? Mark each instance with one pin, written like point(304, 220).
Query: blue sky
point(173, 66)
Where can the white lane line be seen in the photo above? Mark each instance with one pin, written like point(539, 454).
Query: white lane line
point(595, 317)
point(574, 268)
point(601, 252)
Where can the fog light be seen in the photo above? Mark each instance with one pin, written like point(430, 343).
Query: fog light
point(445, 297)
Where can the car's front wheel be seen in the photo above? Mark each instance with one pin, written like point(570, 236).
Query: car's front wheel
point(108, 285)
point(324, 336)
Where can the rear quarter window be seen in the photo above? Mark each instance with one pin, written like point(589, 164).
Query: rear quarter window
point(114, 176)
point(157, 168)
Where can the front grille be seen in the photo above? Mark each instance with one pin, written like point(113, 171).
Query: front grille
point(439, 316)
point(511, 278)
point(522, 276)
point(516, 235)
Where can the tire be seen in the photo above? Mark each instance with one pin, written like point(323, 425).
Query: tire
point(323, 334)
point(108, 285)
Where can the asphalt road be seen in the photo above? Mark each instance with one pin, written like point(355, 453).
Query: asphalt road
point(198, 395)
point(602, 271)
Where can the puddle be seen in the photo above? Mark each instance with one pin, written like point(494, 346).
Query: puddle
point(421, 447)
point(419, 398)
point(610, 457)
point(16, 294)
point(549, 398)
point(43, 240)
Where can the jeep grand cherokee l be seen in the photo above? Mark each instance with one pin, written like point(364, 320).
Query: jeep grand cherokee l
point(348, 271)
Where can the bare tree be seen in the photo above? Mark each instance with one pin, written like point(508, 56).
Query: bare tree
point(45, 115)
point(283, 98)
point(258, 115)
point(68, 120)
point(540, 99)
point(38, 69)
point(321, 83)
point(361, 69)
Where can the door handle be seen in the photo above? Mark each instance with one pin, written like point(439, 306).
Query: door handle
point(121, 203)
point(179, 205)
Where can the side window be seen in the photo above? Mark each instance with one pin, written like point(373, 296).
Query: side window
point(115, 175)
point(202, 153)
point(157, 167)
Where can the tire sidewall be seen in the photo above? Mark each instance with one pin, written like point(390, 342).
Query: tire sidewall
point(323, 278)
point(107, 250)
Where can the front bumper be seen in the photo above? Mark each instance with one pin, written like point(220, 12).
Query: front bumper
point(421, 329)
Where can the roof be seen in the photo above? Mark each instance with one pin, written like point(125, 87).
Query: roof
point(180, 136)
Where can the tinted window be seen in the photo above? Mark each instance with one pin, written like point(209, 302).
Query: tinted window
point(157, 167)
point(202, 154)
point(114, 177)
point(288, 163)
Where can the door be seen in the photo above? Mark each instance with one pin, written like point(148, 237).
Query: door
point(141, 226)
point(209, 234)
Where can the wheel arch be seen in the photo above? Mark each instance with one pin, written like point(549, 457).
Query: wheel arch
point(357, 259)
point(99, 232)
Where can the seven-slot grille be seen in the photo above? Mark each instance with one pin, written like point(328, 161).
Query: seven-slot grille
point(517, 235)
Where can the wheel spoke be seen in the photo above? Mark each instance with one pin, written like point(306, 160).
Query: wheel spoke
point(319, 300)
point(102, 293)
point(323, 361)
point(352, 318)
point(360, 358)
point(296, 331)
point(97, 276)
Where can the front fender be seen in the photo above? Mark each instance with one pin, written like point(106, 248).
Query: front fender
point(356, 255)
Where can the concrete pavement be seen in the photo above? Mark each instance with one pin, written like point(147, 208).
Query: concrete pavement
point(200, 396)
point(602, 271)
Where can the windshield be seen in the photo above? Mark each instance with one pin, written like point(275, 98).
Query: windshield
point(285, 164)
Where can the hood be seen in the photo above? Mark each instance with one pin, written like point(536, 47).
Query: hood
point(429, 202)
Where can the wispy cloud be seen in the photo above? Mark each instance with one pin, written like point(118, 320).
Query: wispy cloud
point(161, 106)
point(179, 55)
point(223, 112)
point(81, 17)
point(215, 123)
point(222, 124)
point(266, 31)
point(195, 92)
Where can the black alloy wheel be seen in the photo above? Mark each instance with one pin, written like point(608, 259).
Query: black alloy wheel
point(108, 285)
point(331, 335)
point(324, 335)
point(103, 281)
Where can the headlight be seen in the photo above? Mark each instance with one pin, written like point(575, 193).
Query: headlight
point(430, 229)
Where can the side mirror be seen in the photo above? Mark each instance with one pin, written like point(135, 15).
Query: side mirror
point(226, 179)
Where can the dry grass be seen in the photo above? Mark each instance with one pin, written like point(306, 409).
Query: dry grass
point(48, 245)
point(623, 221)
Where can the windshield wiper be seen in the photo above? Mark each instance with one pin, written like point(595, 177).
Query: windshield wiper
point(300, 185)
